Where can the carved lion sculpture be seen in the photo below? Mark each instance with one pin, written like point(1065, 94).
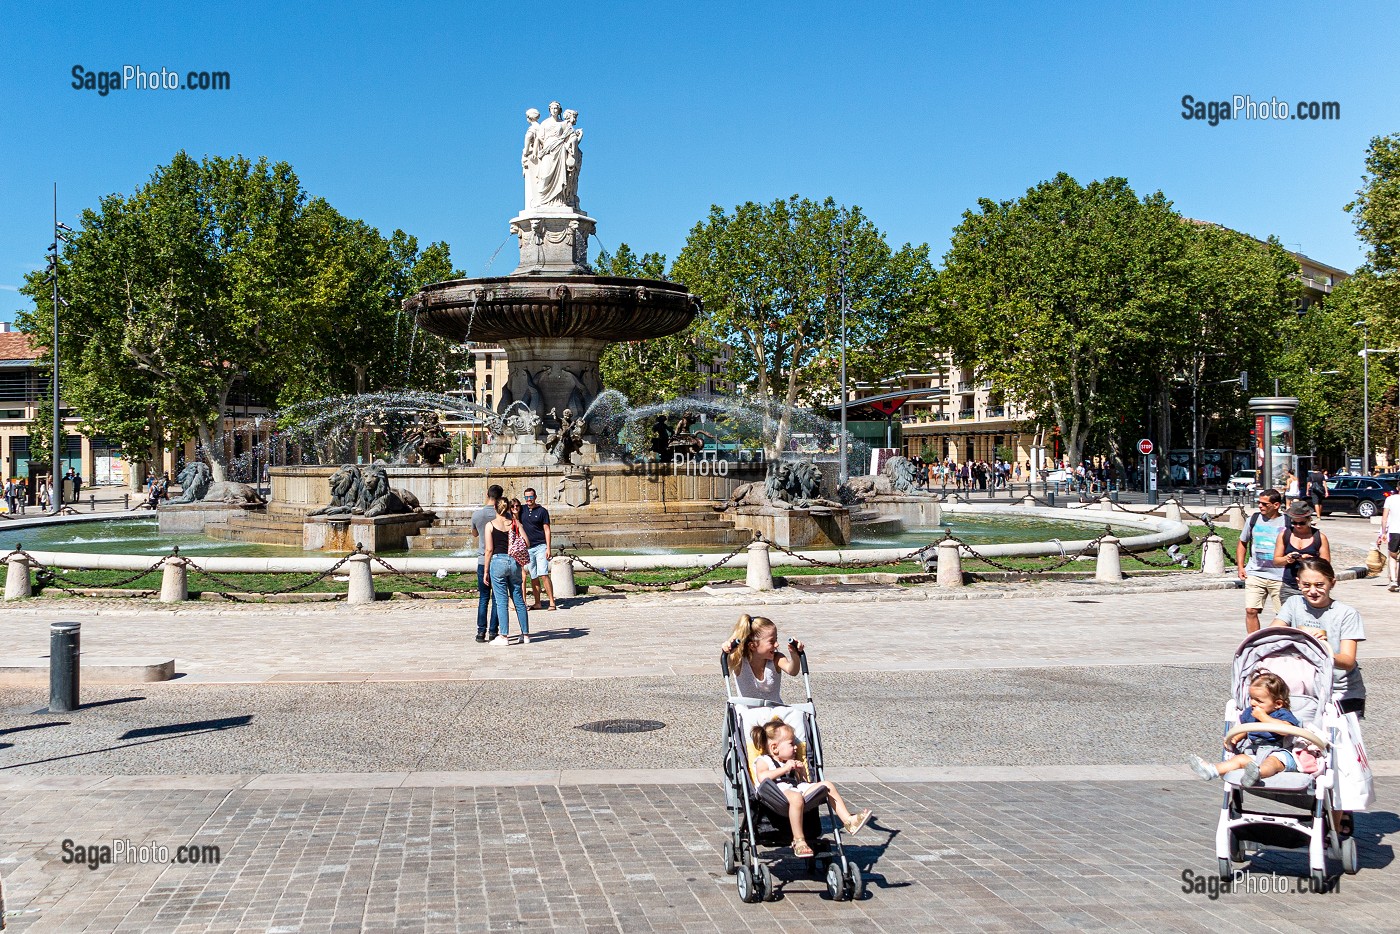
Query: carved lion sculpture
point(194, 482)
point(382, 500)
point(902, 474)
point(347, 492)
point(233, 494)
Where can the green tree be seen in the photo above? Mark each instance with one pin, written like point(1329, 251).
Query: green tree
point(1059, 295)
point(770, 277)
point(1376, 213)
point(651, 370)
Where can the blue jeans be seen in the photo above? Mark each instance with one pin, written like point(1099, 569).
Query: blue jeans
point(483, 598)
point(508, 586)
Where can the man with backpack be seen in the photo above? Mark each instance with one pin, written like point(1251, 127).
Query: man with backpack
point(1262, 581)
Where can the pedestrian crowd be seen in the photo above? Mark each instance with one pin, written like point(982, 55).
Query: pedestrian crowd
point(514, 544)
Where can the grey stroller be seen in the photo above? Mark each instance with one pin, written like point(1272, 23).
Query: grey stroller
point(760, 811)
point(1306, 665)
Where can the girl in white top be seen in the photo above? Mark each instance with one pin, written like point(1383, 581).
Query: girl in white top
point(782, 765)
point(755, 661)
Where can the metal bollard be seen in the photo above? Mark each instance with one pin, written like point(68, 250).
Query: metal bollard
point(92, 503)
point(63, 666)
point(126, 502)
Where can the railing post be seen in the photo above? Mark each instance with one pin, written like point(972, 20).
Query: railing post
point(64, 652)
point(361, 584)
point(1213, 555)
point(174, 579)
point(1109, 568)
point(949, 564)
point(760, 570)
point(1172, 510)
point(17, 583)
point(561, 575)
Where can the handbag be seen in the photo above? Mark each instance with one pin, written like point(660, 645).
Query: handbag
point(518, 547)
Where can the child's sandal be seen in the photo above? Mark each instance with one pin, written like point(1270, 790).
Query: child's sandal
point(802, 850)
point(854, 825)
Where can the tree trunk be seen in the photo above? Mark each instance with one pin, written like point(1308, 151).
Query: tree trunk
point(207, 439)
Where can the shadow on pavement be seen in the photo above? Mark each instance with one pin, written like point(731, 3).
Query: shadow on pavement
point(34, 726)
point(160, 734)
point(549, 635)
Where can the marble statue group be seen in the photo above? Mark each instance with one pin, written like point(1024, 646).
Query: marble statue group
point(551, 158)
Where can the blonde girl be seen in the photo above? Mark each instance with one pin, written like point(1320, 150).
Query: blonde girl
point(781, 764)
point(755, 661)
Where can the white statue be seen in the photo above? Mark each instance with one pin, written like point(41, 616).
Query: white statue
point(529, 156)
point(556, 159)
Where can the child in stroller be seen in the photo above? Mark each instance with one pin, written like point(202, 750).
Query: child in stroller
point(1261, 754)
point(782, 766)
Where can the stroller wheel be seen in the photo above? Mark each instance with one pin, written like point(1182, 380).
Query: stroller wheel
point(747, 885)
point(767, 891)
point(835, 884)
point(1351, 861)
point(855, 884)
point(730, 867)
point(1223, 868)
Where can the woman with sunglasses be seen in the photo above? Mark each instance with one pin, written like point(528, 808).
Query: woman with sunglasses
point(1298, 541)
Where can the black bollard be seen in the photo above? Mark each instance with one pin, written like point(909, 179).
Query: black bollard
point(63, 666)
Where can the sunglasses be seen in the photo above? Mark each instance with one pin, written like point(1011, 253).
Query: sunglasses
point(1300, 525)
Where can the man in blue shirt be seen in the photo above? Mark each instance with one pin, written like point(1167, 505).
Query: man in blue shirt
point(534, 519)
point(1262, 581)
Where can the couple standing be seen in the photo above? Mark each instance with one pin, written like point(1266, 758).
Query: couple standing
point(512, 538)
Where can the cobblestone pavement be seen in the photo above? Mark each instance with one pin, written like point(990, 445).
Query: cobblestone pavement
point(1046, 856)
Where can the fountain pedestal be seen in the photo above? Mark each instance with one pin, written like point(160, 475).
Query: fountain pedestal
point(379, 533)
point(552, 241)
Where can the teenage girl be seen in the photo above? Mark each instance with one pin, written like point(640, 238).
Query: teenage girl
point(755, 661)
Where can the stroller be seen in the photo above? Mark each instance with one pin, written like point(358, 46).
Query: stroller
point(1305, 664)
point(760, 813)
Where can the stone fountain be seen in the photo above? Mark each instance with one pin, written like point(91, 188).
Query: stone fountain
point(552, 316)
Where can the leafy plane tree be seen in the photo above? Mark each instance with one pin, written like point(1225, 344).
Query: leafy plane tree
point(214, 274)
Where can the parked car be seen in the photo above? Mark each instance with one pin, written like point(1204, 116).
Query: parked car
point(1364, 496)
point(1244, 481)
point(1059, 475)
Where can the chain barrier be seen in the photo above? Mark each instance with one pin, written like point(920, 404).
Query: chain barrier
point(1089, 549)
point(817, 562)
point(46, 576)
point(413, 577)
point(233, 588)
point(684, 579)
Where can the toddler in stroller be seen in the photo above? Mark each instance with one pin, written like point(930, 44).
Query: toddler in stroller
point(1282, 681)
point(758, 753)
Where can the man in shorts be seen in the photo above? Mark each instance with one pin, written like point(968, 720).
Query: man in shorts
point(534, 519)
point(481, 518)
point(1262, 580)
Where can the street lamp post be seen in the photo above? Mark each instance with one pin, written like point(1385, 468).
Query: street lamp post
point(1365, 396)
point(844, 472)
point(56, 493)
point(1366, 355)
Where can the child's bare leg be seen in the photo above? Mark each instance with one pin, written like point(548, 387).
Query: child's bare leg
point(796, 806)
point(837, 802)
point(1235, 762)
point(1271, 766)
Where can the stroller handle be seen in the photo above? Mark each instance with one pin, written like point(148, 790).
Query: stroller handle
point(1289, 729)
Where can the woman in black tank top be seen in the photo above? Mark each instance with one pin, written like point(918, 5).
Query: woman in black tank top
point(1298, 541)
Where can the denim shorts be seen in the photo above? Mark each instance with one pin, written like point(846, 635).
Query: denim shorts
point(1262, 752)
point(539, 564)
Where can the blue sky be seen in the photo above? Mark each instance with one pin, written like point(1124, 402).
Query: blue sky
point(411, 114)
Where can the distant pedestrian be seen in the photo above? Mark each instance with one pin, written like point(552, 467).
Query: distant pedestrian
point(506, 555)
point(22, 500)
point(1388, 541)
point(1317, 489)
point(481, 518)
point(11, 493)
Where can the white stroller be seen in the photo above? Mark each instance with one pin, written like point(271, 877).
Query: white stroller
point(1305, 664)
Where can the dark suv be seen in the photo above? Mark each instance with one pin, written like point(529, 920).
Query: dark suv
point(1364, 496)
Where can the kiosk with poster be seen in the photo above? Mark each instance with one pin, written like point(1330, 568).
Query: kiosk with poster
point(1273, 438)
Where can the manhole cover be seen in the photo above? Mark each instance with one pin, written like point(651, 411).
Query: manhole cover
point(1086, 601)
point(621, 726)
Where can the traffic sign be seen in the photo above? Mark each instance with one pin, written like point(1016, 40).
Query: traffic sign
point(1145, 446)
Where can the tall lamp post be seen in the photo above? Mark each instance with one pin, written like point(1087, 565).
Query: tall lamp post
point(844, 473)
point(56, 493)
point(1365, 356)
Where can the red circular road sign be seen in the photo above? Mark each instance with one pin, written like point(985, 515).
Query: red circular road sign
point(1145, 446)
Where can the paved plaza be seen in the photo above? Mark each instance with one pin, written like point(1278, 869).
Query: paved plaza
point(375, 769)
